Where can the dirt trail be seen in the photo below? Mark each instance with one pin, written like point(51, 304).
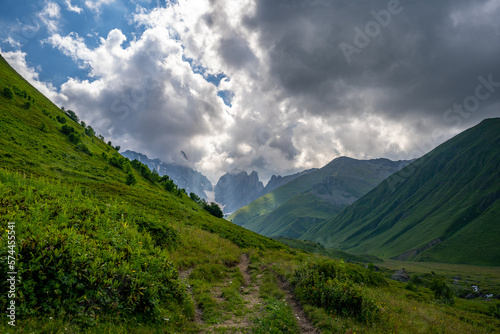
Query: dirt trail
point(184, 275)
point(251, 302)
point(305, 325)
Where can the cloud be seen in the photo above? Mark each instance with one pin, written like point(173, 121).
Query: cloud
point(296, 100)
point(17, 59)
point(50, 16)
point(143, 96)
point(73, 8)
point(95, 5)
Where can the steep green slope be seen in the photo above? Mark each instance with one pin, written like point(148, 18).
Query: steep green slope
point(89, 246)
point(443, 207)
point(294, 208)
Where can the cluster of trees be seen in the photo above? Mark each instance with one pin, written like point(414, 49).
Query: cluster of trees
point(211, 208)
point(75, 138)
point(8, 94)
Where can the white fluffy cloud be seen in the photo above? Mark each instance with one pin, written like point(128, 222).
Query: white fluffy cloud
point(50, 16)
point(295, 101)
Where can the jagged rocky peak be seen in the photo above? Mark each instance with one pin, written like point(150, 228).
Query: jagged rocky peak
point(235, 190)
point(185, 177)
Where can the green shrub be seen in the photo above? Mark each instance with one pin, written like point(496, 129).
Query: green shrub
point(346, 271)
point(90, 261)
point(61, 119)
point(163, 235)
point(82, 147)
point(495, 310)
point(442, 291)
point(67, 129)
point(117, 162)
point(7, 93)
point(339, 295)
point(130, 180)
point(74, 138)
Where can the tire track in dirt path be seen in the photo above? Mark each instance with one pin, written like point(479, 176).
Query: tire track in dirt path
point(305, 325)
point(183, 276)
point(250, 294)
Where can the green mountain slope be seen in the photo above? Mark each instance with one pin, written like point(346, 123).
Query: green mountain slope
point(89, 246)
point(442, 207)
point(292, 209)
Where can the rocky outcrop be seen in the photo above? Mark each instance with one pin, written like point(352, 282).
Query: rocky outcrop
point(234, 191)
point(401, 276)
point(183, 176)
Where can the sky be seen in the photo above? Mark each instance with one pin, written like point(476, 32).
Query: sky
point(272, 86)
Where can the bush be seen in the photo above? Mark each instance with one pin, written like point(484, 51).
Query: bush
point(44, 128)
point(61, 119)
point(7, 93)
point(117, 162)
point(346, 271)
point(495, 310)
point(130, 180)
point(163, 235)
point(82, 147)
point(442, 291)
point(89, 131)
point(66, 129)
point(339, 296)
point(74, 138)
point(27, 105)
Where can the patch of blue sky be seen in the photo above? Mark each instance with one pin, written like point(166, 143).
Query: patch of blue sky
point(227, 96)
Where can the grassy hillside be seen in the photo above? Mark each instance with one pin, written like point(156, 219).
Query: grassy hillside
point(95, 252)
point(443, 207)
point(311, 199)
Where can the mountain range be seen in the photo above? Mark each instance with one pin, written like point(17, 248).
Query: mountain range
point(183, 176)
point(444, 207)
point(314, 197)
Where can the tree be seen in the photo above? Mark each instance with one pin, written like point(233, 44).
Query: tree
point(71, 114)
point(213, 209)
point(89, 131)
point(195, 197)
point(130, 180)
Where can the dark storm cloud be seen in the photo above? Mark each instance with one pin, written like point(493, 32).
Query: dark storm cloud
point(235, 52)
point(427, 57)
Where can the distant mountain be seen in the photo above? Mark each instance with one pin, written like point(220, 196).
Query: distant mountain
point(235, 190)
point(314, 197)
point(278, 181)
point(444, 207)
point(183, 177)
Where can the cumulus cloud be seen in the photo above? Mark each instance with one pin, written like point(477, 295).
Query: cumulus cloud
point(73, 8)
point(297, 99)
point(50, 16)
